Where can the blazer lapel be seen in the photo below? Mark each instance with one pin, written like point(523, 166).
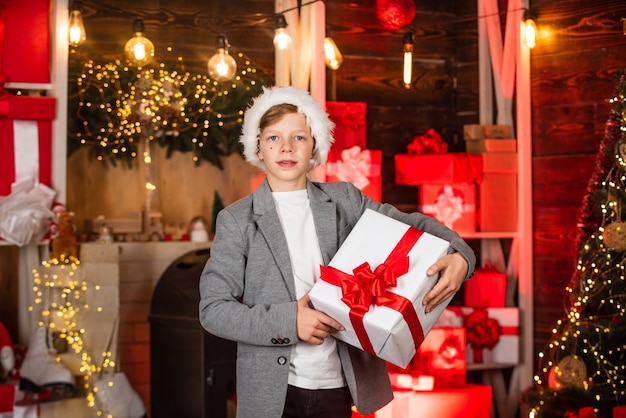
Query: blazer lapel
point(325, 218)
point(269, 224)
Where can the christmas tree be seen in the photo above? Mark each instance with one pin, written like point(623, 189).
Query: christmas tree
point(582, 372)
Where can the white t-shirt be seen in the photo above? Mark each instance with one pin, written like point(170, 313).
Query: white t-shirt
point(312, 366)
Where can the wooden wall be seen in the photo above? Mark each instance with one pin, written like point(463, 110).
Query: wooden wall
point(574, 70)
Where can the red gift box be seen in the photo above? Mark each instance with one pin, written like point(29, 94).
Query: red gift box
point(350, 124)
point(359, 167)
point(440, 361)
point(619, 412)
point(454, 167)
point(25, 140)
point(7, 397)
point(25, 41)
point(470, 401)
point(454, 205)
point(442, 356)
point(487, 288)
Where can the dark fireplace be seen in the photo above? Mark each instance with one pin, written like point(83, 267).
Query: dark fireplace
point(192, 372)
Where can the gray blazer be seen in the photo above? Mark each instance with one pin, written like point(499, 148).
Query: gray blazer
point(248, 293)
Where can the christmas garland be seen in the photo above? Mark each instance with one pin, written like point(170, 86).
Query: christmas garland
point(115, 106)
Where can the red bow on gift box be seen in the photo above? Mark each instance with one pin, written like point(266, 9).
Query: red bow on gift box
point(354, 166)
point(482, 331)
point(429, 143)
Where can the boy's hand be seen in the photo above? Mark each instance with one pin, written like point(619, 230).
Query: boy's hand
point(313, 326)
point(453, 269)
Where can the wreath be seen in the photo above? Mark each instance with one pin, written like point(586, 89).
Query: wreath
point(115, 106)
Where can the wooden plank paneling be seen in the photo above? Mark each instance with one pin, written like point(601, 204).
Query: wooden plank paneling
point(574, 125)
point(573, 71)
point(561, 180)
point(9, 256)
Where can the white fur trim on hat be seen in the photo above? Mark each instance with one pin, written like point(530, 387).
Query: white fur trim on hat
point(316, 118)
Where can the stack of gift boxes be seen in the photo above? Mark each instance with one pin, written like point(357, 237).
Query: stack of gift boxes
point(482, 333)
point(467, 191)
point(25, 132)
point(493, 150)
point(349, 159)
point(25, 120)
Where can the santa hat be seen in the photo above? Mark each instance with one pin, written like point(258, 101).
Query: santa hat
point(316, 118)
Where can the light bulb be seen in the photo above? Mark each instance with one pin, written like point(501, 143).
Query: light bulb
point(530, 33)
point(282, 40)
point(76, 31)
point(408, 59)
point(222, 66)
point(332, 55)
point(139, 49)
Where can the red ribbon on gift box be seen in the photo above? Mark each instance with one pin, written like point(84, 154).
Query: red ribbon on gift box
point(366, 287)
point(429, 143)
point(41, 111)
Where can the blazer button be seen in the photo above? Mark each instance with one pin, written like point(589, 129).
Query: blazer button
point(286, 340)
point(274, 341)
point(282, 360)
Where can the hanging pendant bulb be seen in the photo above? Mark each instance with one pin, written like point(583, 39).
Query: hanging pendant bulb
point(139, 49)
point(76, 29)
point(408, 59)
point(332, 55)
point(282, 40)
point(222, 66)
point(530, 30)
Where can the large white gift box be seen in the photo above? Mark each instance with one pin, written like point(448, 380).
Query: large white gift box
point(375, 284)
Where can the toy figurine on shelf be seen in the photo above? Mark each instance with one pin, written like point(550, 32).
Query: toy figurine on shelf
point(198, 229)
point(64, 245)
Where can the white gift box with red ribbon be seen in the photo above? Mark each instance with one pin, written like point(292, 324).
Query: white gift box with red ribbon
point(492, 334)
point(375, 284)
point(25, 166)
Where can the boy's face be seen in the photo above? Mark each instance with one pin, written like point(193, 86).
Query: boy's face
point(286, 148)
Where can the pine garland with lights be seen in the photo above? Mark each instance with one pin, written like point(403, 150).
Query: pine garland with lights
point(584, 365)
point(114, 106)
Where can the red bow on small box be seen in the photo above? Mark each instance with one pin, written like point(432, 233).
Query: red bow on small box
point(429, 143)
point(354, 167)
point(482, 332)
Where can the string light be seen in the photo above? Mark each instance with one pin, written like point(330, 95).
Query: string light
point(282, 40)
point(407, 75)
point(76, 28)
point(222, 66)
point(332, 55)
point(529, 30)
point(139, 49)
point(117, 104)
point(61, 292)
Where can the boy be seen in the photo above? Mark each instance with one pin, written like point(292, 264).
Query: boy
point(266, 256)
